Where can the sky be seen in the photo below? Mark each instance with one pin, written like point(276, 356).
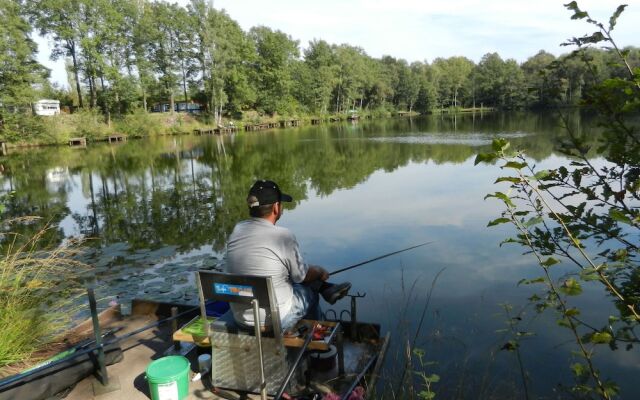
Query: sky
point(422, 30)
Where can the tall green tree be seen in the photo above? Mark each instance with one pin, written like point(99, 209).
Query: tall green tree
point(143, 29)
point(233, 65)
point(164, 49)
point(276, 52)
point(19, 69)
point(427, 96)
point(62, 20)
point(320, 60)
point(352, 77)
point(408, 85)
point(533, 70)
point(499, 83)
point(454, 74)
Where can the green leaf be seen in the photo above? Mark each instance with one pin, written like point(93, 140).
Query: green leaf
point(619, 216)
point(534, 297)
point(426, 395)
point(564, 322)
point(616, 14)
point(578, 369)
point(611, 388)
point(577, 177)
point(542, 174)
point(501, 196)
point(433, 378)
point(572, 312)
point(511, 179)
point(485, 157)
point(589, 275)
point(498, 221)
point(511, 345)
point(550, 261)
point(539, 279)
point(601, 337)
point(514, 164)
point(500, 144)
point(533, 221)
point(579, 15)
point(508, 240)
point(571, 287)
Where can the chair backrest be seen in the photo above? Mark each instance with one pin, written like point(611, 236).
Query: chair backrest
point(241, 289)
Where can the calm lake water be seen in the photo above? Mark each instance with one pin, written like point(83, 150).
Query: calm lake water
point(160, 208)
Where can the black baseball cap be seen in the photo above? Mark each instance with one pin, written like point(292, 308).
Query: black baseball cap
point(266, 192)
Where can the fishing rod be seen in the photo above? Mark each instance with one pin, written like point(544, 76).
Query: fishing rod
point(378, 258)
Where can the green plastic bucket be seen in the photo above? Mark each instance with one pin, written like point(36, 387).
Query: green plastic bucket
point(169, 378)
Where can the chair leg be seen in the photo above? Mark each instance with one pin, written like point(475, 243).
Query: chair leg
point(256, 325)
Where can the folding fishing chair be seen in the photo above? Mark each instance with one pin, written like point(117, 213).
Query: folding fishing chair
point(244, 360)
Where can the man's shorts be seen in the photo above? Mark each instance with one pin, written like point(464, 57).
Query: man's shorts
point(304, 306)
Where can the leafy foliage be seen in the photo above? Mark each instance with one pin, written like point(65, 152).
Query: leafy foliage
point(585, 214)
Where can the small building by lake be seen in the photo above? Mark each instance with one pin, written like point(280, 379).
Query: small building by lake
point(46, 107)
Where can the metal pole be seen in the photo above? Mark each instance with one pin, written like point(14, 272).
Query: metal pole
point(203, 305)
point(104, 377)
point(174, 327)
point(354, 320)
point(293, 368)
point(256, 324)
point(340, 349)
point(347, 394)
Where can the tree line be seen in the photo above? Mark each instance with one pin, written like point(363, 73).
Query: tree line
point(123, 55)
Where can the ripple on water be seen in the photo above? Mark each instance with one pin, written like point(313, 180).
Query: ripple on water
point(467, 139)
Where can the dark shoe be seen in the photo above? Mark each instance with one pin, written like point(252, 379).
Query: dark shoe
point(335, 292)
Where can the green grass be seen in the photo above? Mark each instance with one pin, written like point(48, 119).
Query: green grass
point(37, 288)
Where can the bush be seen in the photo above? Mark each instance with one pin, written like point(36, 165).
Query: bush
point(37, 288)
point(21, 127)
point(139, 124)
point(89, 123)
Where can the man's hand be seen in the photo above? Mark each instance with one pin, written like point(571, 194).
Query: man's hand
point(316, 273)
point(324, 275)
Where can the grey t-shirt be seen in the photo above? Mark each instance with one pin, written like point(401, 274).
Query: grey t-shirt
point(257, 247)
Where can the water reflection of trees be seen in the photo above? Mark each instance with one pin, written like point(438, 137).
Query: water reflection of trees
point(189, 191)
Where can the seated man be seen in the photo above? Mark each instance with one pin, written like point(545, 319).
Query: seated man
point(258, 247)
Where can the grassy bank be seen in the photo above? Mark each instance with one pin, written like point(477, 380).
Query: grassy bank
point(34, 130)
point(28, 130)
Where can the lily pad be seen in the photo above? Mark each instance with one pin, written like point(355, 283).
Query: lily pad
point(135, 257)
point(118, 246)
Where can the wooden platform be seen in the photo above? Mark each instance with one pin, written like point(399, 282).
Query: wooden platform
point(116, 138)
point(259, 127)
point(78, 141)
point(150, 344)
point(215, 131)
point(289, 123)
